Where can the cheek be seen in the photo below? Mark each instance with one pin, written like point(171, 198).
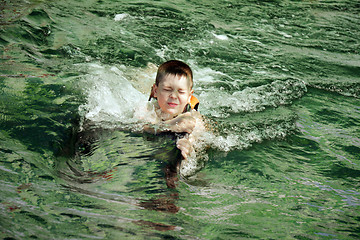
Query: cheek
point(162, 99)
point(165, 96)
point(186, 98)
point(160, 94)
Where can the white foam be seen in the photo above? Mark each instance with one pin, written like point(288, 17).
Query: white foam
point(219, 103)
point(161, 52)
point(285, 34)
point(110, 96)
point(120, 17)
point(221, 37)
point(207, 75)
point(112, 100)
point(192, 165)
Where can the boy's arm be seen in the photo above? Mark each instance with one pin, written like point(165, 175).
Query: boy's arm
point(190, 122)
point(156, 128)
point(182, 123)
point(187, 144)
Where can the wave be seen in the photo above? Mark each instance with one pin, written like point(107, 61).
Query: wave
point(278, 93)
point(242, 118)
point(110, 97)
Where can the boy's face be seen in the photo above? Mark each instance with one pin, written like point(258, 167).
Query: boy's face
point(173, 93)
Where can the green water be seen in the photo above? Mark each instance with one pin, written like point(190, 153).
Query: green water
point(278, 80)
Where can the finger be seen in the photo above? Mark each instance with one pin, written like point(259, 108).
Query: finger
point(184, 154)
point(184, 148)
point(183, 142)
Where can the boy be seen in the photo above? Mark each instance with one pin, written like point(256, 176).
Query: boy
point(175, 106)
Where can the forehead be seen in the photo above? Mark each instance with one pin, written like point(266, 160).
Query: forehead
point(175, 80)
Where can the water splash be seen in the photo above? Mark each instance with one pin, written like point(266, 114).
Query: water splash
point(113, 101)
point(278, 93)
point(111, 98)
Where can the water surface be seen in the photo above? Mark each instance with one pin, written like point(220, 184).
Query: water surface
point(279, 80)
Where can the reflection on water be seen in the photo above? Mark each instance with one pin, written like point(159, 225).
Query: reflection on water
point(95, 157)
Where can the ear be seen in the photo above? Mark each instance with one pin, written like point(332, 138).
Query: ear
point(154, 91)
point(191, 93)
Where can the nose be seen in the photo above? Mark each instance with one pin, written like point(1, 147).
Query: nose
point(173, 94)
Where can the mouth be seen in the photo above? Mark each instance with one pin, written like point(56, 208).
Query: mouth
point(172, 105)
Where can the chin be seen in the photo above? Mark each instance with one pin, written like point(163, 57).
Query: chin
point(173, 112)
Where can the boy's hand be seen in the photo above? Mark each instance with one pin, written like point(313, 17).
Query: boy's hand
point(182, 123)
point(184, 145)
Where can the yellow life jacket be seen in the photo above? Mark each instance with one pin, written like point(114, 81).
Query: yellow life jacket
point(194, 103)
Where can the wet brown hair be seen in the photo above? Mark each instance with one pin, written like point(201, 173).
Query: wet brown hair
point(174, 67)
